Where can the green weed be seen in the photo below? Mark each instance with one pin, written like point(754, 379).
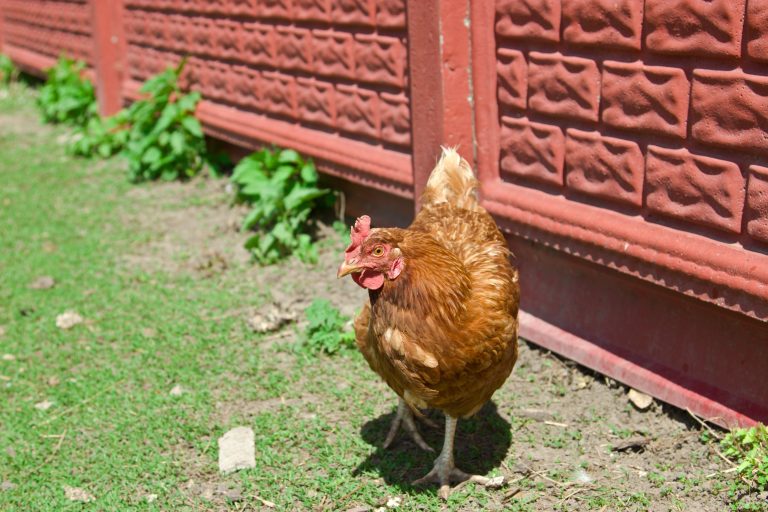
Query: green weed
point(165, 140)
point(100, 136)
point(67, 96)
point(159, 134)
point(8, 70)
point(748, 447)
point(282, 188)
point(326, 330)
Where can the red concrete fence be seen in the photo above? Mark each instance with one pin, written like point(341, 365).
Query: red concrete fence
point(622, 144)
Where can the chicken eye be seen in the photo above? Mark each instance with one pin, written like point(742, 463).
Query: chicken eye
point(378, 251)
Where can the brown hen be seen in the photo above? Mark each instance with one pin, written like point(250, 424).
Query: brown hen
point(441, 324)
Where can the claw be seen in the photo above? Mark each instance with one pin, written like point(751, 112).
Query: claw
point(404, 416)
point(422, 418)
point(444, 472)
point(442, 475)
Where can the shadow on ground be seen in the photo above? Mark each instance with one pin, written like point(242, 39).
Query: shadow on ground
point(481, 445)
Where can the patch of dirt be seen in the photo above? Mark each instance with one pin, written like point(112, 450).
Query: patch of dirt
point(226, 410)
point(193, 227)
point(195, 230)
point(203, 483)
point(589, 444)
point(21, 125)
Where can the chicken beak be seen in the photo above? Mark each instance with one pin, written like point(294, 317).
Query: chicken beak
point(347, 268)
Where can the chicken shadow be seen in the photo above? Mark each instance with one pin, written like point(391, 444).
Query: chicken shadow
point(481, 444)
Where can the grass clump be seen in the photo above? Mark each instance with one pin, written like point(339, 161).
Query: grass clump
point(748, 447)
point(159, 134)
point(165, 139)
point(281, 188)
point(8, 70)
point(326, 331)
point(67, 96)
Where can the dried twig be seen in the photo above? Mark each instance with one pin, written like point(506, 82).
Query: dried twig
point(511, 494)
point(723, 472)
point(344, 499)
point(264, 502)
point(76, 406)
point(703, 424)
point(545, 477)
point(571, 495)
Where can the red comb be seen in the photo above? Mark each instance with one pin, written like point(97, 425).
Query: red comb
point(361, 229)
point(359, 233)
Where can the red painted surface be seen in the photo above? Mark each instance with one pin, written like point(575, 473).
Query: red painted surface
point(36, 32)
point(426, 87)
point(601, 138)
point(622, 144)
point(109, 52)
point(694, 27)
point(604, 167)
point(327, 78)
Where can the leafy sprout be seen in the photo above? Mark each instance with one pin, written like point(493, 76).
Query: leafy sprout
point(67, 96)
point(326, 330)
point(748, 447)
point(8, 70)
point(282, 189)
point(158, 134)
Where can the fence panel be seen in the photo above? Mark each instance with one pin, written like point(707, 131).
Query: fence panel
point(36, 32)
point(634, 135)
point(327, 78)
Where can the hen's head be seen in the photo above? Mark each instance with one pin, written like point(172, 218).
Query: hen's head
point(371, 257)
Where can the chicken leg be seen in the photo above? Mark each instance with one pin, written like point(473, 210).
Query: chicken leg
point(404, 416)
point(445, 471)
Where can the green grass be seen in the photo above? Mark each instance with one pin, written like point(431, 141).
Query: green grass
point(113, 429)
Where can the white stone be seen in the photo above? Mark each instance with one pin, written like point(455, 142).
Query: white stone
point(237, 450)
point(641, 400)
point(495, 483)
point(68, 320)
point(394, 502)
point(77, 494)
point(44, 405)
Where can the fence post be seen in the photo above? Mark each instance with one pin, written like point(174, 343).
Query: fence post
point(1, 26)
point(441, 97)
point(109, 53)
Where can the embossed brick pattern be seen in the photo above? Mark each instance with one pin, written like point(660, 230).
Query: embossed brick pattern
point(694, 27)
point(338, 65)
point(757, 203)
point(563, 86)
point(645, 98)
point(603, 23)
point(730, 108)
point(757, 29)
point(532, 150)
point(695, 188)
point(49, 28)
point(512, 73)
point(604, 167)
point(529, 19)
point(613, 78)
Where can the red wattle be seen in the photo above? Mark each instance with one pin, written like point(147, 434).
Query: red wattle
point(369, 279)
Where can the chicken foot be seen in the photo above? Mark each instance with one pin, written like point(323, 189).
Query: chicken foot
point(405, 416)
point(445, 471)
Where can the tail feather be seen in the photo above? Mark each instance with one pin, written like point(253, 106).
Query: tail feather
point(452, 181)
